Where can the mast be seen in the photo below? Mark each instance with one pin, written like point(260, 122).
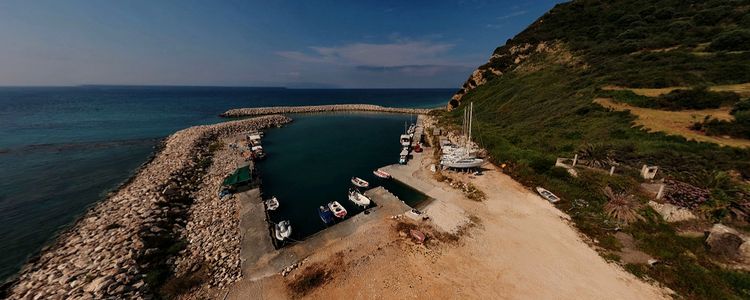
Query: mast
point(471, 116)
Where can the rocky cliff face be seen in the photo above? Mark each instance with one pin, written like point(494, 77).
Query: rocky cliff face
point(504, 60)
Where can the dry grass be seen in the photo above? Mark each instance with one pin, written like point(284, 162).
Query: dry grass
point(676, 122)
point(742, 89)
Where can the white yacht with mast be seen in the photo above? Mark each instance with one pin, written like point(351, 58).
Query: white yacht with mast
point(461, 158)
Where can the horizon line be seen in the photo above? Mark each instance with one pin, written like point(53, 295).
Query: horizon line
point(223, 86)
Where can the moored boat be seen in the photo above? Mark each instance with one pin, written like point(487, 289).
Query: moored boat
point(272, 204)
point(338, 210)
point(547, 195)
point(325, 214)
point(358, 198)
point(382, 174)
point(283, 230)
point(360, 182)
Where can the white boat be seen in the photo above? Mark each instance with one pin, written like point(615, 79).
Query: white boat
point(463, 163)
point(358, 198)
point(338, 210)
point(272, 204)
point(283, 230)
point(461, 157)
point(360, 182)
point(547, 195)
point(403, 156)
point(405, 140)
point(382, 174)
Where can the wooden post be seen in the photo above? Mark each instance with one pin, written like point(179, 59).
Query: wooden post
point(575, 160)
point(612, 171)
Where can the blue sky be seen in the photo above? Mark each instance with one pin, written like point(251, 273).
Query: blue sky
point(340, 44)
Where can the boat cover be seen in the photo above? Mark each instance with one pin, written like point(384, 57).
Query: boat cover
point(240, 176)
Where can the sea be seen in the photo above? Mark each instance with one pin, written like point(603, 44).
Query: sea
point(62, 149)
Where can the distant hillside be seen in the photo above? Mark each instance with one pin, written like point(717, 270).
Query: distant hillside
point(628, 83)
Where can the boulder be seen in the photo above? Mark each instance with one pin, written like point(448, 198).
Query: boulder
point(728, 242)
point(672, 213)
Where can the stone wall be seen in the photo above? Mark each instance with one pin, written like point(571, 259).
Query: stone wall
point(255, 111)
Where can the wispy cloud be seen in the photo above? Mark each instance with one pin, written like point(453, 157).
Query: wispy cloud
point(512, 15)
point(504, 18)
point(398, 53)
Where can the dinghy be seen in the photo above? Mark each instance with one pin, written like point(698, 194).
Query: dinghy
point(272, 204)
point(283, 230)
point(360, 182)
point(547, 195)
point(382, 174)
point(358, 198)
point(338, 210)
point(325, 214)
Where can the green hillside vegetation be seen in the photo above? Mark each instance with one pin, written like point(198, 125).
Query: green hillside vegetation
point(542, 109)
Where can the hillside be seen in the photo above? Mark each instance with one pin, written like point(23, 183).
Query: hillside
point(628, 83)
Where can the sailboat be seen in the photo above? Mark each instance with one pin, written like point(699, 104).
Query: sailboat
point(461, 158)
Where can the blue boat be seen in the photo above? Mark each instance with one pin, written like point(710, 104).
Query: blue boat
point(325, 214)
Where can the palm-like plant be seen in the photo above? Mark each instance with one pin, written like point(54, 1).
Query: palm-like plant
point(622, 207)
point(596, 155)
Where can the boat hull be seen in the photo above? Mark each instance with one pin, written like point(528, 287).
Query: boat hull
point(464, 163)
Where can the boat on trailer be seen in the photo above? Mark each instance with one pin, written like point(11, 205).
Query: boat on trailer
point(358, 198)
point(272, 204)
point(325, 214)
point(338, 210)
point(549, 196)
point(283, 230)
point(360, 182)
point(382, 174)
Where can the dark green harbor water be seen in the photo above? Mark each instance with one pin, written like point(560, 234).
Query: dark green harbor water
point(310, 163)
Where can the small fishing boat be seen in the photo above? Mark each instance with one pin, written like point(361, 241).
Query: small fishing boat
point(338, 210)
point(403, 156)
point(283, 230)
point(325, 214)
point(547, 195)
point(405, 140)
point(382, 174)
point(358, 198)
point(360, 182)
point(272, 204)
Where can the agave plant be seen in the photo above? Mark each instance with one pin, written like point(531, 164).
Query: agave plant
point(596, 155)
point(622, 207)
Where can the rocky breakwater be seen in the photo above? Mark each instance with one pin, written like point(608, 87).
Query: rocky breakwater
point(256, 111)
point(130, 245)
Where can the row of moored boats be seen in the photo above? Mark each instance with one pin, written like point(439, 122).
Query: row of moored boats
point(331, 211)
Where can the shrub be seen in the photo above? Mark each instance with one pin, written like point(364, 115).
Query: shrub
point(696, 98)
point(735, 40)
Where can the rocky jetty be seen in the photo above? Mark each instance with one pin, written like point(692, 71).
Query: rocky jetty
point(256, 111)
point(165, 223)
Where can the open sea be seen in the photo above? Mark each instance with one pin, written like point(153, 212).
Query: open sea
point(63, 148)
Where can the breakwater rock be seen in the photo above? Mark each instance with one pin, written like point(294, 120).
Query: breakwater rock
point(256, 111)
point(164, 223)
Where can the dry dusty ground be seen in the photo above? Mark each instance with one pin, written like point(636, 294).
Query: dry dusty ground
point(518, 246)
point(677, 122)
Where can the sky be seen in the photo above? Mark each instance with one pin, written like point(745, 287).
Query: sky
point(296, 44)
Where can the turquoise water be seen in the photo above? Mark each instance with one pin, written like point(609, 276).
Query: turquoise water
point(62, 149)
point(311, 161)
